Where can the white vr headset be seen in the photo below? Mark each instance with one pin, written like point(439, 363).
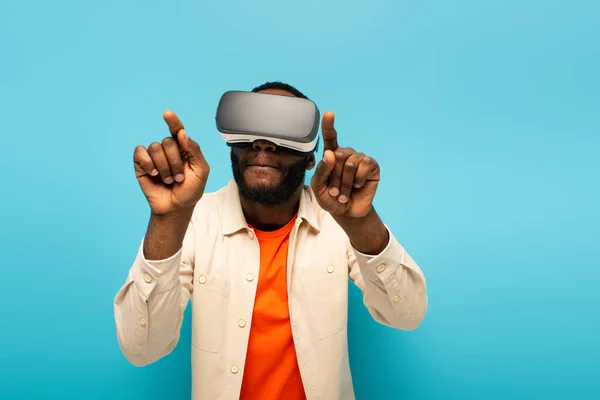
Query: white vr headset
point(288, 122)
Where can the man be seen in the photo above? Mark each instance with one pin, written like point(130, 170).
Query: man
point(265, 261)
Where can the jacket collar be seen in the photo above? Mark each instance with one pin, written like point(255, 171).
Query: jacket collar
point(232, 216)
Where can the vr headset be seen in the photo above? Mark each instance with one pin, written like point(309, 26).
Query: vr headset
point(288, 122)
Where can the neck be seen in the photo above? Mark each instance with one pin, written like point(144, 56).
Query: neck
point(270, 218)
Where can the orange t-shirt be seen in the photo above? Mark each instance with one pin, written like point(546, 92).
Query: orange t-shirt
point(271, 370)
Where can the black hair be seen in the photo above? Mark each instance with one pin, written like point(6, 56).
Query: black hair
point(280, 86)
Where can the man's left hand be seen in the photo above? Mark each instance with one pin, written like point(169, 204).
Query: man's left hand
point(345, 181)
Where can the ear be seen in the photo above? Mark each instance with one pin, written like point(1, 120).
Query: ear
point(311, 162)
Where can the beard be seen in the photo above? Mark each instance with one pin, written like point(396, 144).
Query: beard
point(292, 177)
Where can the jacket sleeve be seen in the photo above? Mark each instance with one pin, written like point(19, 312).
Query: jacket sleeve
point(149, 307)
point(393, 286)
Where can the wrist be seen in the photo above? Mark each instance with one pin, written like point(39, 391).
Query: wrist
point(165, 234)
point(367, 234)
point(178, 215)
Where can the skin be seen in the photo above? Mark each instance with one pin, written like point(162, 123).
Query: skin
point(265, 152)
point(173, 174)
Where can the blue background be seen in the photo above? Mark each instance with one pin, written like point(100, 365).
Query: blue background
point(484, 116)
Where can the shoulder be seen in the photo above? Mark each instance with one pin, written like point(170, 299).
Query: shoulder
point(210, 202)
point(214, 197)
point(319, 217)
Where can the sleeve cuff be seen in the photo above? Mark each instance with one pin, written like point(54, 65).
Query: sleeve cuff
point(156, 276)
point(383, 266)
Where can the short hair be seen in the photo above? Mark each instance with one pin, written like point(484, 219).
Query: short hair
point(280, 86)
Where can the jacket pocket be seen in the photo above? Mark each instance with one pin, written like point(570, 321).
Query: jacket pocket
point(209, 311)
point(326, 289)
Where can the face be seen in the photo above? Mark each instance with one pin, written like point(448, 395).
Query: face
point(267, 174)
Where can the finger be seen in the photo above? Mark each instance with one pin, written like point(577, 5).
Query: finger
point(191, 149)
point(160, 161)
point(335, 178)
point(173, 122)
point(329, 134)
point(143, 162)
point(172, 153)
point(347, 183)
point(368, 169)
point(324, 168)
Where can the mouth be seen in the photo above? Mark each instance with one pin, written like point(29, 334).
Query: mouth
point(262, 167)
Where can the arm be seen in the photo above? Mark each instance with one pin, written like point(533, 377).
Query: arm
point(149, 307)
point(345, 183)
point(393, 286)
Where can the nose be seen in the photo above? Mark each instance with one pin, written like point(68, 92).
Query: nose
point(263, 145)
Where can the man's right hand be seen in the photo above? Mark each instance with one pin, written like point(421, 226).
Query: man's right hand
point(173, 173)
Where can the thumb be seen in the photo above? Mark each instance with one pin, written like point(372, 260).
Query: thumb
point(190, 148)
point(321, 176)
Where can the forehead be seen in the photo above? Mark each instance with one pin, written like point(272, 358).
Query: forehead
point(280, 92)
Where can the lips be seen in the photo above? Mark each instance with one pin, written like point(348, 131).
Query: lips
point(262, 164)
point(262, 168)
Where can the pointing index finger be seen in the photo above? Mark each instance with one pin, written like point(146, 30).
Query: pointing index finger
point(329, 133)
point(173, 122)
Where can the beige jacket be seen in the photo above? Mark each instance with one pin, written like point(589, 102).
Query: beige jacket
point(217, 268)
